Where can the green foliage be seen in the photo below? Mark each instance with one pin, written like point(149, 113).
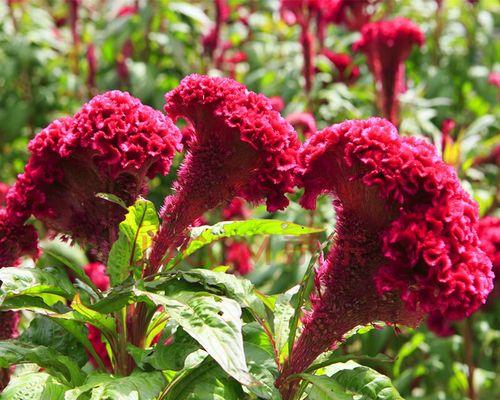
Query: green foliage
point(136, 234)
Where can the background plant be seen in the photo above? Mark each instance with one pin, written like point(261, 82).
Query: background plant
point(57, 55)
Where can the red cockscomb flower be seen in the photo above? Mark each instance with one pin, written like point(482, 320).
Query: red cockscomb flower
point(235, 210)
point(346, 71)
point(113, 145)
point(96, 271)
point(303, 122)
point(4, 188)
point(387, 44)
point(239, 256)
point(406, 242)
point(494, 79)
point(354, 14)
point(242, 146)
point(16, 240)
point(488, 230)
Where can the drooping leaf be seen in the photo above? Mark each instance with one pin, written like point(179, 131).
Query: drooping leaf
point(63, 368)
point(138, 386)
point(44, 331)
point(34, 386)
point(214, 322)
point(283, 312)
point(135, 235)
point(203, 235)
point(238, 289)
point(325, 388)
point(167, 356)
point(35, 281)
point(354, 381)
point(205, 382)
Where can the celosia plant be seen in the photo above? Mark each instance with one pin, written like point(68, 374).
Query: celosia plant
point(387, 44)
point(405, 243)
point(241, 147)
point(113, 145)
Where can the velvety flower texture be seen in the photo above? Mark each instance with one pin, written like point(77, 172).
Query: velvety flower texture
point(16, 240)
point(406, 243)
point(387, 44)
point(346, 71)
point(113, 145)
point(241, 147)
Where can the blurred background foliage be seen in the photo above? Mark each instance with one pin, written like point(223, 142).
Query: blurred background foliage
point(55, 55)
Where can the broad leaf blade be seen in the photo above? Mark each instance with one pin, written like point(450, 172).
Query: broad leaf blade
point(135, 236)
point(35, 281)
point(283, 313)
point(60, 366)
point(215, 323)
point(203, 235)
point(34, 386)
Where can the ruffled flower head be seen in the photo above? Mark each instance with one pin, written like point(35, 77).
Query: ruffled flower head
point(241, 146)
point(406, 242)
point(387, 44)
point(113, 145)
point(9, 321)
point(345, 69)
point(488, 230)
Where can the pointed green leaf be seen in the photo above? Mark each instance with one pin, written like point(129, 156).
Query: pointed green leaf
point(203, 235)
point(35, 281)
point(135, 235)
point(283, 313)
point(34, 386)
point(215, 323)
point(63, 368)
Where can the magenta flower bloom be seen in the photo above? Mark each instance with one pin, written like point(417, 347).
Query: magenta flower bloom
point(113, 145)
point(346, 71)
point(439, 325)
point(241, 147)
point(16, 240)
point(387, 44)
point(96, 272)
point(302, 122)
point(277, 103)
point(494, 79)
point(235, 210)
point(239, 256)
point(406, 242)
point(488, 230)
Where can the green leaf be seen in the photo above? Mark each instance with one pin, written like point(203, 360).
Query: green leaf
point(112, 198)
point(215, 323)
point(138, 386)
point(205, 382)
point(35, 281)
point(135, 236)
point(63, 368)
point(34, 386)
point(203, 235)
point(44, 331)
point(358, 380)
point(82, 313)
point(323, 388)
point(55, 252)
point(283, 312)
point(238, 289)
point(171, 356)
